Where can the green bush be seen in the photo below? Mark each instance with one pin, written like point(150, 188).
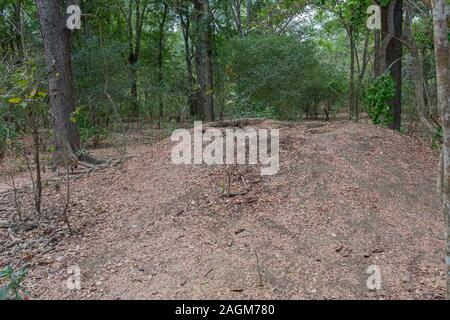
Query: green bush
point(13, 289)
point(277, 74)
point(377, 98)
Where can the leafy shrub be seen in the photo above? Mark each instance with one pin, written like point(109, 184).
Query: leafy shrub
point(437, 138)
point(7, 134)
point(245, 108)
point(13, 289)
point(279, 74)
point(90, 130)
point(377, 98)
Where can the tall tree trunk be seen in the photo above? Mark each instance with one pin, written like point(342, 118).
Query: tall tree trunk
point(19, 30)
point(132, 60)
point(162, 26)
point(385, 37)
point(38, 182)
point(204, 63)
point(236, 9)
point(361, 72)
point(134, 45)
point(249, 16)
point(443, 86)
point(417, 70)
point(394, 54)
point(376, 60)
point(185, 21)
point(351, 98)
point(61, 85)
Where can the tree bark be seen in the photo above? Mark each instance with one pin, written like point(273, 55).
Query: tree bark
point(18, 30)
point(394, 52)
point(134, 46)
point(185, 21)
point(237, 15)
point(249, 16)
point(376, 60)
point(204, 63)
point(162, 26)
point(57, 48)
point(443, 86)
point(417, 70)
point(351, 98)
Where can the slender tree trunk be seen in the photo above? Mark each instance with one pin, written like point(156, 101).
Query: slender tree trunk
point(376, 60)
point(61, 85)
point(134, 45)
point(160, 62)
point(351, 98)
point(19, 30)
point(133, 86)
point(204, 64)
point(385, 38)
point(185, 26)
point(394, 54)
point(249, 16)
point(236, 9)
point(37, 163)
point(132, 60)
point(443, 85)
point(417, 70)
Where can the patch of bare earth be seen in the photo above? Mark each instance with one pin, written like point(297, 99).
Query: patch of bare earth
point(347, 196)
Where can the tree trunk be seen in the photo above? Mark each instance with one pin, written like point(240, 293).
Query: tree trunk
point(37, 163)
point(249, 16)
point(376, 60)
point(442, 71)
point(160, 62)
point(57, 47)
point(394, 62)
point(18, 30)
point(134, 45)
point(185, 26)
point(385, 38)
point(417, 70)
point(204, 64)
point(236, 9)
point(351, 98)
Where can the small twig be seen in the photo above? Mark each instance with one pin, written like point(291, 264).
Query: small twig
point(244, 181)
point(17, 202)
point(261, 283)
point(66, 208)
point(234, 194)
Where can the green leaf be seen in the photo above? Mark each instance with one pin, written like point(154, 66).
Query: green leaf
point(33, 93)
point(15, 100)
point(22, 83)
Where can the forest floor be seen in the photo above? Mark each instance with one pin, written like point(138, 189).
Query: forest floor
point(347, 196)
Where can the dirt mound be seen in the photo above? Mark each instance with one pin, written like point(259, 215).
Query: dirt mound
point(347, 196)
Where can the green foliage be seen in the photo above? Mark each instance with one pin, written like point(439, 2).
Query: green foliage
point(351, 12)
point(377, 98)
point(7, 135)
point(437, 138)
point(13, 289)
point(21, 93)
point(279, 76)
point(243, 108)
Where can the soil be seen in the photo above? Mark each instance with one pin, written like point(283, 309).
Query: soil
point(347, 196)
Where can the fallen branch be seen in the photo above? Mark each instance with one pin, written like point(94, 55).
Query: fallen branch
point(240, 123)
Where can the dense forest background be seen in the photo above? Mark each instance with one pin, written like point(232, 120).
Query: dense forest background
point(165, 63)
